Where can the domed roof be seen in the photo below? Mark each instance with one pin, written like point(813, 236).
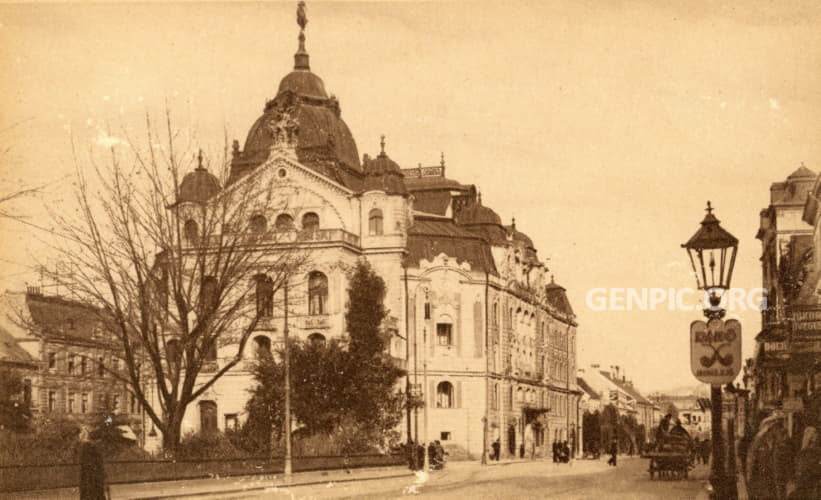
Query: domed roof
point(478, 214)
point(198, 186)
point(520, 237)
point(323, 141)
point(304, 83)
point(382, 173)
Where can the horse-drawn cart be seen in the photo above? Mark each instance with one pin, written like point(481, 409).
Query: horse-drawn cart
point(668, 464)
point(673, 456)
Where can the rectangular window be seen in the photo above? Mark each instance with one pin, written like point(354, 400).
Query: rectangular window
point(115, 403)
point(444, 334)
point(52, 400)
point(52, 360)
point(70, 404)
point(83, 365)
point(101, 367)
point(231, 422)
point(84, 403)
point(70, 367)
point(444, 436)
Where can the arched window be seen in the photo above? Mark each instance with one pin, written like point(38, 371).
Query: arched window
point(190, 230)
point(375, 222)
point(263, 346)
point(316, 338)
point(310, 222)
point(444, 395)
point(317, 293)
point(519, 395)
point(284, 222)
point(258, 224)
point(264, 296)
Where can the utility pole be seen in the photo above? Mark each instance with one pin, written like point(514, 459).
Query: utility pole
point(287, 362)
point(425, 380)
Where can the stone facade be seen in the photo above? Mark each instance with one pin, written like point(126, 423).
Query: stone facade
point(487, 336)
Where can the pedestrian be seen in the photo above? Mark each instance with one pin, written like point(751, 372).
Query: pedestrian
point(497, 446)
point(92, 469)
point(555, 452)
point(808, 467)
point(614, 450)
point(769, 459)
point(706, 448)
point(565, 452)
point(696, 458)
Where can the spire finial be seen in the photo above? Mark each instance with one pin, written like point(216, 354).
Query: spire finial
point(709, 208)
point(442, 159)
point(301, 56)
point(513, 223)
point(382, 145)
point(199, 160)
point(552, 281)
point(479, 194)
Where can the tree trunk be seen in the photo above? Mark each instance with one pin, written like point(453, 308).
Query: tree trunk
point(173, 432)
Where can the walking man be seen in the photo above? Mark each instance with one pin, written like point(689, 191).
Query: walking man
point(614, 450)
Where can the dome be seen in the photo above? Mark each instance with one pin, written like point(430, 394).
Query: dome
point(478, 214)
point(520, 237)
point(303, 83)
point(382, 173)
point(198, 186)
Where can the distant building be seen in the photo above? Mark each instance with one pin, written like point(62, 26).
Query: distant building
point(64, 356)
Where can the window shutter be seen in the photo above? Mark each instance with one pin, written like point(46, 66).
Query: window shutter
point(478, 329)
point(458, 396)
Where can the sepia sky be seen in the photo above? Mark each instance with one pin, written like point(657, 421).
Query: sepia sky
point(602, 126)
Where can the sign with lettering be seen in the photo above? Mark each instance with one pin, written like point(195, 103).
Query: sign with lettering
point(806, 320)
point(715, 350)
point(775, 346)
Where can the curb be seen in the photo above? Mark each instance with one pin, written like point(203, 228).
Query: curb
point(283, 485)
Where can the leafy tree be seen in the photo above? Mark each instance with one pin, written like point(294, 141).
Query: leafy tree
point(14, 413)
point(346, 391)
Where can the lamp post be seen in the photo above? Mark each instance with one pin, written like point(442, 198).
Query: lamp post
point(712, 251)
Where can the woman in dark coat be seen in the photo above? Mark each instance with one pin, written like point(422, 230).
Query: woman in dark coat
point(92, 470)
point(808, 467)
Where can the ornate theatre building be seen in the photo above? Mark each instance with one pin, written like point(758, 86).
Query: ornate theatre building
point(487, 336)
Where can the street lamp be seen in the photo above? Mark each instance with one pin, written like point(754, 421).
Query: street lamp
point(709, 250)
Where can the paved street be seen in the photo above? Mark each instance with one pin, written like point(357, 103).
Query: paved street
point(583, 479)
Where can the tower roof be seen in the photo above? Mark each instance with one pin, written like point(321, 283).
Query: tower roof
point(198, 186)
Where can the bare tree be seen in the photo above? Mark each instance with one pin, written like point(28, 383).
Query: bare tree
point(183, 271)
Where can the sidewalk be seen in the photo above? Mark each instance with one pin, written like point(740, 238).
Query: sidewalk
point(219, 487)
point(222, 486)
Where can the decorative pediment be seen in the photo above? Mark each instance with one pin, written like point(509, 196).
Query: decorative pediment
point(443, 260)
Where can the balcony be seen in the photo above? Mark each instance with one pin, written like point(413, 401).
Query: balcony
point(318, 322)
point(286, 238)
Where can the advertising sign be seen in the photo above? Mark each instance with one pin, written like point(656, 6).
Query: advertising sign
point(715, 350)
